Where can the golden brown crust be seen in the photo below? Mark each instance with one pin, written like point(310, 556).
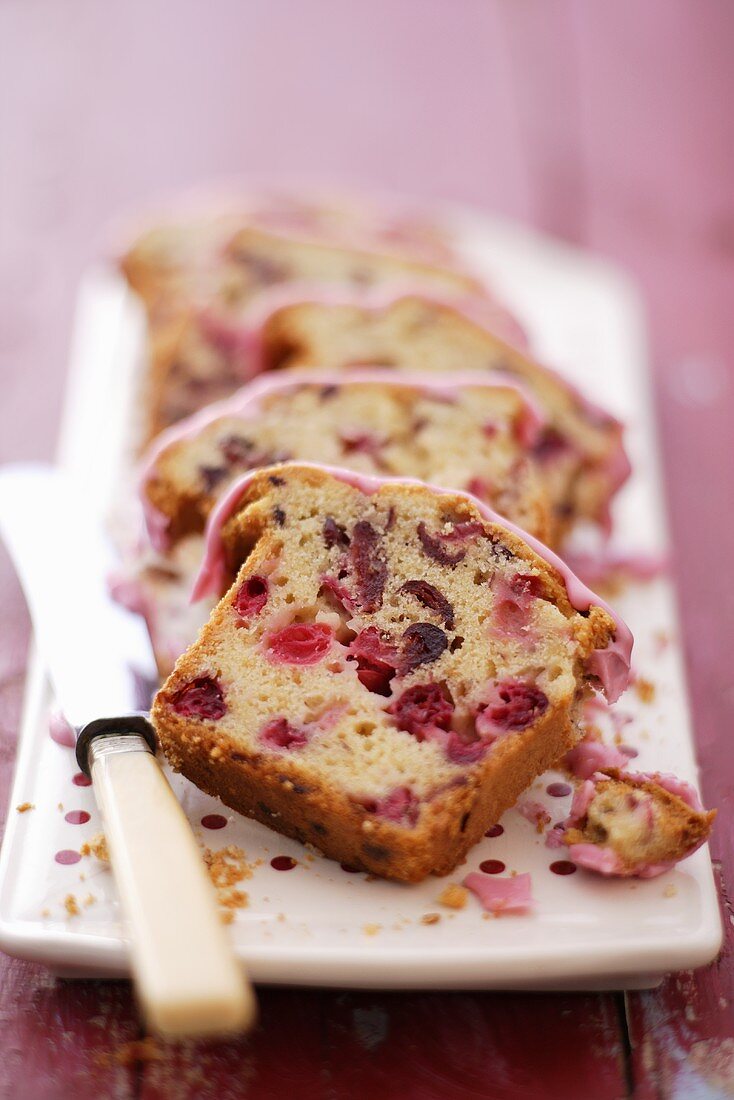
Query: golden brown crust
point(300, 800)
point(272, 793)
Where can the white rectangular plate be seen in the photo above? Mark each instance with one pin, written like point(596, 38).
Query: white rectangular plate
point(318, 924)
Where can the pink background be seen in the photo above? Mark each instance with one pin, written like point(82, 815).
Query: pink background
point(608, 123)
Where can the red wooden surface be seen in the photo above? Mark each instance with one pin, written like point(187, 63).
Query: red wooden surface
point(609, 124)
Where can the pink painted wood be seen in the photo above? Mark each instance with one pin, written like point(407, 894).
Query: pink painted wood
point(605, 124)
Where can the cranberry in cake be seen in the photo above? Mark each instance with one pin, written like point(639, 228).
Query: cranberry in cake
point(469, 435)
point(203, 346)
point(389, 667)
point(633, 824)
point(579, 452)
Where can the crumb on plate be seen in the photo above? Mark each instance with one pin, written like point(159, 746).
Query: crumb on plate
point(453, 896)
point(96, 847)
point(24, 807)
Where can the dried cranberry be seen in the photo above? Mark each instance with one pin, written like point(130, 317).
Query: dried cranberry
point(422, 643)
point(368, 564)
point(300, 644)
point(359, 443)
point(212, 476)
point(201, 698)
point(423, 707)
point(479, 487)
point(236, 449)
point(279, 733)
point(251, 597)
point(434, 545)
point(513, 706)
point(376, 660)
point(430, 597)
point(334, 533)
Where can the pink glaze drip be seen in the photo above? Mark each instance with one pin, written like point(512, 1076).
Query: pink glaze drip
point(591, 756)
point(611, 666)
point(246, 403)
point(60, 730)
point(534, 812)
point(598, 568)
point(501, 895)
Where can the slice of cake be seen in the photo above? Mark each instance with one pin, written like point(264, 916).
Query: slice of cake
point(468, 434)
point(391, 666)
point(633, 824)
point(580, 451)
point(200, 348)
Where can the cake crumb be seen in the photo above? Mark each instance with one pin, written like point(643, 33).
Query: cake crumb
point(280, 917)
point(430, 918)
point(96, 847)
point(371, 929)
point(227, 867)
point(645, 689)
point(45, 912)
point(71, 905)
point(670, 890)
point(25, 807)
point(453, 896)
point(89, 900)
point(60, 807)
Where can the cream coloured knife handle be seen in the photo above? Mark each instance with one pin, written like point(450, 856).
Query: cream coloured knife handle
point(188, 979)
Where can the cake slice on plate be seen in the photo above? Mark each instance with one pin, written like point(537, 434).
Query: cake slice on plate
point(390, 666)
point(580, 450)
point(466, 434)
point(633, 824)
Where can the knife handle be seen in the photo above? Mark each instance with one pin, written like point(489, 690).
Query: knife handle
point(188, 979)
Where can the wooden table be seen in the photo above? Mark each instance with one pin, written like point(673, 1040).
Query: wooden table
point(607, 124)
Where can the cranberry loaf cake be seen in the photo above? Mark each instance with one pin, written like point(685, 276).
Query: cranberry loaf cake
point(580, 451)
point(467, 435)
point(633, 824)
point(201, 347)
point(177, 256)
point(391, 666)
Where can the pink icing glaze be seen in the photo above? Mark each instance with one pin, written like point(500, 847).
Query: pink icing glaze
point(534, 812)
point(590, 756)
point(603, 860)
point(246, 404)
point(611, 666)
point(61, 731)
point(485, 312)
point(501, 895)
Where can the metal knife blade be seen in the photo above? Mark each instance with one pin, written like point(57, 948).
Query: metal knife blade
point(95, 651)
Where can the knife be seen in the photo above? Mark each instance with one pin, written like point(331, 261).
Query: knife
point(187, 977)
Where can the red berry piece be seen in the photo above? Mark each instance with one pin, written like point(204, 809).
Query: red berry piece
point(376, 659)
point(237, 450)
point(423, 707)
point(526, 584)
point(280, 734)
point(369, 568)
point(200, 698)
point(359, 443)
point(211, 476)
point(514, 706)
point(430, 597)
point(422, 644)
point(300, 644)
point(400, 806)
point(334, 534)
point(550, 445)
point(251, 597)
point(438, 546)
